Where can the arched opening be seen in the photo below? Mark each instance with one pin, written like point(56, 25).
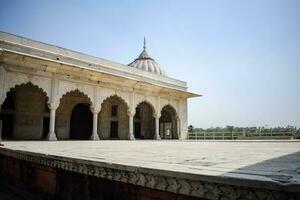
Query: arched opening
point(81, 123)
point(73, 102)
point(25, 114)
point(144, 122)
point(113, 118)
point(168, 123)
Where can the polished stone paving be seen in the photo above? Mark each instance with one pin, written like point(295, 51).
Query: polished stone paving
point(272, 161)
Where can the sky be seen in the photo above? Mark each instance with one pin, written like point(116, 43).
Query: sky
point(242, 56)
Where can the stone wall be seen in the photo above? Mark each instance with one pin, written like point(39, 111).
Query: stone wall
point(27, 109)
point(147, 121)
point(29, 113)
point(63, 113)
point(55, 87)
point(105, 118)
point(41, 182)
point(31, 110)
point(168, 117)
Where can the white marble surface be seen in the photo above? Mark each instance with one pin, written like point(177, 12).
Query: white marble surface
point(271, 161)
point(26, 46)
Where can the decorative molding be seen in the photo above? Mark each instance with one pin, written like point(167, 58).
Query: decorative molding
point(150, 101)
point(106, 95)
point(16, 79)
point(65, 87)
point(196, 188)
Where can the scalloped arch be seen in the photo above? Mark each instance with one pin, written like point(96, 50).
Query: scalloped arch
point(13, 79)
point(73, 91)
point(147, 102)
point(29, 83)
point(172, 107)
point(119, 97)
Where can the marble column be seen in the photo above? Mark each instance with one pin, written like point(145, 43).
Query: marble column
point(131, 135)
point(95, 135)
point(178, 127)
point(157, 136)
point(51, 135)
point(0, 129)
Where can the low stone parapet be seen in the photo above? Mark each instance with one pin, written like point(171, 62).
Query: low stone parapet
point(69, 177)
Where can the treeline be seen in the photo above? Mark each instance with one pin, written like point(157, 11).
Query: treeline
point(261, 129)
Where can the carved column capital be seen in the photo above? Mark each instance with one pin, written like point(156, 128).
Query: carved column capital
point(156, 115)
point(95, 109)
point(131, 113)
point(53, 105)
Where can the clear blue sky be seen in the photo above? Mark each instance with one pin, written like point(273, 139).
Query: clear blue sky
point(243, 56)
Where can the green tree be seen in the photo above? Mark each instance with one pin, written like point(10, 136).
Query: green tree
point(229, 128)
point(190, 128)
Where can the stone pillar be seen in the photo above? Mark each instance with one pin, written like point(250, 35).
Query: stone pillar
point(157, 136)
point(95, 108)
point(51, 135)
point(53, 105)
point(0, 130)
point(131, 135)
point(131, 113)
point(2, 93)
point(2, 83)
point(95, 135)
point(178, 127)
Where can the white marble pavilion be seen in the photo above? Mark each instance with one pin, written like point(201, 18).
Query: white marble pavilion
point(49, 92)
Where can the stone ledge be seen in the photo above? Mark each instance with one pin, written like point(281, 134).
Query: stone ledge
point(179, 183)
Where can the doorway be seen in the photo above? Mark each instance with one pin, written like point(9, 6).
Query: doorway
point(114, 129)
point(7, 126)
point(137, 130)
point(46, 122)
point(168, 123)
point(81, 124)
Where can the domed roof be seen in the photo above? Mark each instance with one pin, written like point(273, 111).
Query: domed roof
point(146, 63)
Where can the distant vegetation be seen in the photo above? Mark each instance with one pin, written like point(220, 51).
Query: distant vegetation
point(248, 129)
point(231, 132)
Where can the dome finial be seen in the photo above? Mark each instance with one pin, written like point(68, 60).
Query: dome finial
point(145, 63)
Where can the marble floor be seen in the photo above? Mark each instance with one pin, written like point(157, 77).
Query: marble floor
point(275, 161)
